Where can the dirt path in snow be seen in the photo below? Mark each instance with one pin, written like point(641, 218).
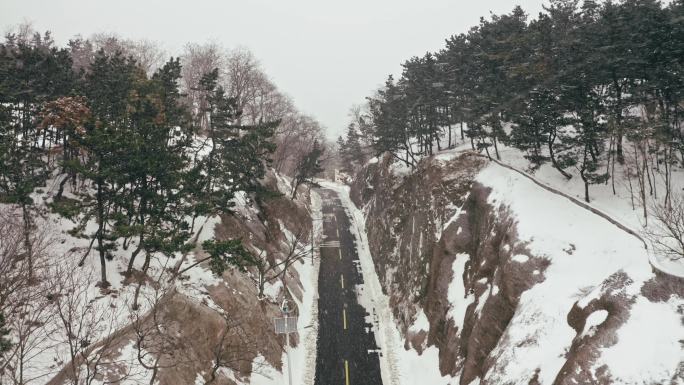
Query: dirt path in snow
point(574, 200)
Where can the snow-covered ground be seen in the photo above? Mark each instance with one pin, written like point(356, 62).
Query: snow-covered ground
point(539, 335)
point(622, 205)
point(97, 312)
point(49, 353)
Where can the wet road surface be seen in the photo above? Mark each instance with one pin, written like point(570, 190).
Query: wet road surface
point(346, 352)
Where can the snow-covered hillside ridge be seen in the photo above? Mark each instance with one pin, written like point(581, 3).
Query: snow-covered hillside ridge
point(512, 284)
point(189, 326)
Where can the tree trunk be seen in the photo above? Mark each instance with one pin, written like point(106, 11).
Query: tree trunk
point(552, 155)
point(449, 135)
point(27, 239)
point(294, 189)
point(129, 269)
point(496, 148)
point(100, 236)
point(618, 121)
point(586, 185)
point(146, 266)
point(62, 183)
point(262, 283)
point(586, 192)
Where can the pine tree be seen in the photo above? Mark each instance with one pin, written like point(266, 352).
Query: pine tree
point(223, 254)
point(389, 114)
point(33, 72)
point(587, 143)
point(307, 168)
point(342, 152)
point(350, 150)
point(156, 150)
point(65, 116)
point(108, 86)
point(238, 154)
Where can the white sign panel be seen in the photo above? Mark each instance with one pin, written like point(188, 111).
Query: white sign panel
point(285, 325)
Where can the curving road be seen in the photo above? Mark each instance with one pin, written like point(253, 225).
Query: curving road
point(347, 353)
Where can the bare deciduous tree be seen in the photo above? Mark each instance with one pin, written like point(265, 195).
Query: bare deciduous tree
point(271, 266)
point(234, 349)
point(85, 323)
point(157, 341)
point(23, 302)
point(148, 54)
point(242, 76)
point(295, 138)
point(198, 60)
point(666, 231)
point(14, 278)
point(32, 337)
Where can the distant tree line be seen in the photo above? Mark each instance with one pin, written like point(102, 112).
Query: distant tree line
point(570, 87)
point(131, 149)
point(137, 148)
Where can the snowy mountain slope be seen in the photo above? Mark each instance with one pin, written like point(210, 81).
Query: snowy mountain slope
point(637, 341)
point(520, 286)
point(195, 311)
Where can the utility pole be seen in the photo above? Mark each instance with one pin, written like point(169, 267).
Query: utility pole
point(312, 240)
point(287, 353)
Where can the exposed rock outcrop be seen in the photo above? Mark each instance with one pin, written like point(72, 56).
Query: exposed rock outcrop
point(417, 227)
point(444, 246)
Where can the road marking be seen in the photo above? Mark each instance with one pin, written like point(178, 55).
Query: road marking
point(340, 252)
point(329, 244)
point(346, 372)
point(342, 280)
point(338, 232)
point(344, 318)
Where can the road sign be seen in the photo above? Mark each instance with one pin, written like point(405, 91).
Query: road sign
point(285, 325)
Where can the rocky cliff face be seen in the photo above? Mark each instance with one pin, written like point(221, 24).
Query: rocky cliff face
point(249, 343)
point(243, 326)
point(448, 249)
point(418, 226)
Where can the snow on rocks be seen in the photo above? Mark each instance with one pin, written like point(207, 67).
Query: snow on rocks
point(648, 348)
point(421, 323)
point(538, 336)
point(457, 292)
point(594, 320)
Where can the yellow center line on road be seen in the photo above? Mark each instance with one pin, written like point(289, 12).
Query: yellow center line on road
point(344, 318)
point(346, 372)
point(342, 280)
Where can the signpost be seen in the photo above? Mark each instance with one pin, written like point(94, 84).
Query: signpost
point(286, 325)
point(314, 220)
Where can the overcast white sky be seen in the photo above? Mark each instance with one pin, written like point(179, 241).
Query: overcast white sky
point(326, 55)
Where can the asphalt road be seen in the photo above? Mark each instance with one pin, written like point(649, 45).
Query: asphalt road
point(347, 352)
